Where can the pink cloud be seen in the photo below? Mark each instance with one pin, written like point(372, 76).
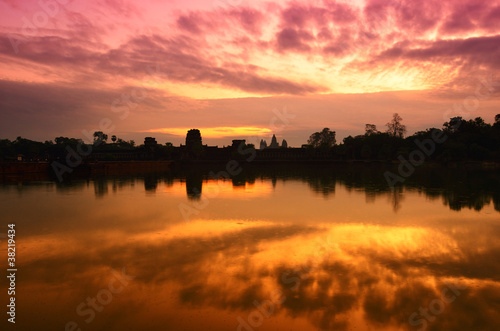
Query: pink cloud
point(481, 50)
point(491, 21)
point(112, 42)
point(190, 23)
point(122, 7)
point(329, 29)
point(181, 57)
point(296, 40)
point(250, 19)
point(465, 17)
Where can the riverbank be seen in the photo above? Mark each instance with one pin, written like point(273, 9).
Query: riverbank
point(126, 167)
point(103, 167)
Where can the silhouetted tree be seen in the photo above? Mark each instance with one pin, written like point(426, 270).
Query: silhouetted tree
point(395, 128)
point(323, 139)
point(113, 139)
point(67, 141)
point(370, 129)
point(100, 137)
point(472, 139)
point(480, 123)
point(453, 124)
point(496, 126)
point(382, 146)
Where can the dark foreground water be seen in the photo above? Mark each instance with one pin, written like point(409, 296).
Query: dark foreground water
point(270, 250)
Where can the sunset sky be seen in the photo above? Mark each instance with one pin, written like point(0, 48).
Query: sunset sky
point(243, 69)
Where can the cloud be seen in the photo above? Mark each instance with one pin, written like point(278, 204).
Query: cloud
point(482, 50)
point(257, 49)
point(290, 39)
point(471, 59)
point(190, 23)
point(331, 29)
point(470, 16)
point(183, 59)
point(250, 19)
point(123, 8)
point(219, 132)
point(51, 110)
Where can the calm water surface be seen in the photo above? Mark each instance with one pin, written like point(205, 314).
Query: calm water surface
point(268, 251)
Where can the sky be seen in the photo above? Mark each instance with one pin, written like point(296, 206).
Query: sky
point(238, 69)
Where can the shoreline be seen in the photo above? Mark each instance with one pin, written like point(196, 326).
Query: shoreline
point(137, 167)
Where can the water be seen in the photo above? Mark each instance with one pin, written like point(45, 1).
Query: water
point(270, 250)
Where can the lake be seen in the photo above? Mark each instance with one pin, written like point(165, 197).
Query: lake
point(276, 248)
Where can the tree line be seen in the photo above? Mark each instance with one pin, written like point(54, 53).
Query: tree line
point(461, 139)
point(41, 151)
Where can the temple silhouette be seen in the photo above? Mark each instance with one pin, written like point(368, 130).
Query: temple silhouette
point(274, 143)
